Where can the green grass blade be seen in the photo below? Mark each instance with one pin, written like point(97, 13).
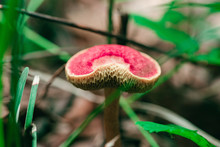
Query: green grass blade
point(30, 136)
point(34, 135)
point(1, 98)
point(19, 43)
point(110, 20)
point(7, 31)
point(40, 41)
point(45, 44)
point(22, 19)
point(177, 130)
point(32, 6)
point(13, 127)
point(129, 111)
point(30, 109)
point(31, 35)
point(1, 120)
point(19, 93)
point(76, 133)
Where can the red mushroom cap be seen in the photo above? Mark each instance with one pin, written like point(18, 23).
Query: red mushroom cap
point(112, 66)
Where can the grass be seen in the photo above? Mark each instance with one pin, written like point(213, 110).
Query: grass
point(32, 99)
point(30, 113)
point(9, 29)
point(14, 127)
point(110, 20)
point(19, 93)
point(5, 35)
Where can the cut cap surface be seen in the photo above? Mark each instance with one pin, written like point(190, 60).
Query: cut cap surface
point(112, 66)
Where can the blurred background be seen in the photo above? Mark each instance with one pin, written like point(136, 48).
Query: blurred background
point(182, 35)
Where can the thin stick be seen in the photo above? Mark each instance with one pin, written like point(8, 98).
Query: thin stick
point(111, 122)
point(71, 24)
point(123, 28)
point(57, 73)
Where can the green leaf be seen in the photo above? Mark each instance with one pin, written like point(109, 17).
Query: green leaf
point(30, 136)
point(184, 43)
point(172, 16)
point(214, 7)
point(212, 57)
point(6, 34)
point(19, 92)
point(177, 130)
point(30, 110)
point(13, 127)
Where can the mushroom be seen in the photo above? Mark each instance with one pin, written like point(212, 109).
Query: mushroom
point(112, 67)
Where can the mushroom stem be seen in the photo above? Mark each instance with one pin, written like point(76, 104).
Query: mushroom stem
point(111, 112)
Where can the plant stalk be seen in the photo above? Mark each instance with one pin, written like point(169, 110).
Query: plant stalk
point(111, 114)
point(110, 20)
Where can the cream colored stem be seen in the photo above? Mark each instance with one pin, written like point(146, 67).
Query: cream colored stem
point(111, 111)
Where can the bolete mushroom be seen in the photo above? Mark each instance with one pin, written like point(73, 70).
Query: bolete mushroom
point(111, 67)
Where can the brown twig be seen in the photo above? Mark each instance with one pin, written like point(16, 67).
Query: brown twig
point(123, 28)
point(71, 24)
point(57, 73)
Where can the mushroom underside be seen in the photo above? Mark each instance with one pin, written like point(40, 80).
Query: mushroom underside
point(114, 76)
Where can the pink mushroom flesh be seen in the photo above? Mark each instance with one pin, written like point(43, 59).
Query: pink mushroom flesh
point(87, 62)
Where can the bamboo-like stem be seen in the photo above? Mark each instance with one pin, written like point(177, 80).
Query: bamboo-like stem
point(110, 20)
point(111, 112)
